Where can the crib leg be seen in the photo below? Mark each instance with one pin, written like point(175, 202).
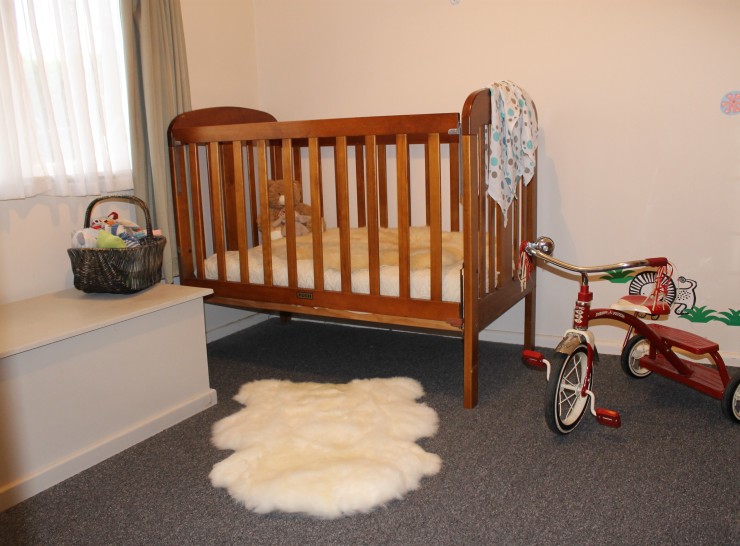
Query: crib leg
point(470, 367)
point(529, 319)
point(285, 317)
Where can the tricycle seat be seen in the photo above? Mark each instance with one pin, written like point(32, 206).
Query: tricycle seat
point(647, 305)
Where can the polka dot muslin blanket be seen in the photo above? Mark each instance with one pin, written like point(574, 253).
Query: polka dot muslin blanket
point(512, 141)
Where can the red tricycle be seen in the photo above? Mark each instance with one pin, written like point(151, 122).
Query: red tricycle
point(647, 347)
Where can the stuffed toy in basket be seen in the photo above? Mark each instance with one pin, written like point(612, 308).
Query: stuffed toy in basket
point(119, 270)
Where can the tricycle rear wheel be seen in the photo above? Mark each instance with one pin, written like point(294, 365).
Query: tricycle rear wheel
point(731, 400)
point(636, 348)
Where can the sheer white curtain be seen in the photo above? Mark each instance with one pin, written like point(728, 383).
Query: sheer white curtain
point(64, 127)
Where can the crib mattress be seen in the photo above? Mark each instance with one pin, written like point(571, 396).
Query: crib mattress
point(452, 261)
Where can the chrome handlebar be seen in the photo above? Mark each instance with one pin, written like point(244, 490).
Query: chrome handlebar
point(543, 248)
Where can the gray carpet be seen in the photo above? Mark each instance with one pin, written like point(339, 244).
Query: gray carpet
point(668, 476)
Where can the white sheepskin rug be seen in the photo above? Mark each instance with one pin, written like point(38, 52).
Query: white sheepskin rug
point(325, 450)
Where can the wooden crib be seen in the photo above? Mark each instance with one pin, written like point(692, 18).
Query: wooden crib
point(410, 179)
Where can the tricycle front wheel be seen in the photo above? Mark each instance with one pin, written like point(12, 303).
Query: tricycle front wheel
point(731, 400)
point(565, 405)
point(636, 348)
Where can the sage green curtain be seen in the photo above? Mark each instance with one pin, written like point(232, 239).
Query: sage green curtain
point(158, 90)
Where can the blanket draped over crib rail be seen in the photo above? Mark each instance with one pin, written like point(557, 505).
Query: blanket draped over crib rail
point(512, 142)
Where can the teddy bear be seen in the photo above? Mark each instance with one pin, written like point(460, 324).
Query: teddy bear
point(276, 207)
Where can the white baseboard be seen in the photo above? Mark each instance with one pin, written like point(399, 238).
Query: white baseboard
point(605, 346)
point(608, 347)
point(224, 330)
point(28, 486)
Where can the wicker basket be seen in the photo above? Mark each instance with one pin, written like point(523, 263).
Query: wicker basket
point(119, 270)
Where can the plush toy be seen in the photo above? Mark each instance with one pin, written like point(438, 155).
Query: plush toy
point(104, 221)
point(276, 205)
point(106, 240)
point(123, 230)
point(303, 220)
point(85, 238)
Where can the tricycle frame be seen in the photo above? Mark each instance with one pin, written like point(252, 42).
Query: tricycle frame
point(661, 356)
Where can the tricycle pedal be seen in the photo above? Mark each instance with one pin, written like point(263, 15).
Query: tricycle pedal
point(536, 359)
point(608, 418)
point(533, 358)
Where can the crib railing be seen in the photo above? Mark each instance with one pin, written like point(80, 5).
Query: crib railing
point(227, 168)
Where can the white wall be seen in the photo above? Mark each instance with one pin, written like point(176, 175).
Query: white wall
point(636, 158)
point(634, 145)
point(34, 237)
point(222, 62)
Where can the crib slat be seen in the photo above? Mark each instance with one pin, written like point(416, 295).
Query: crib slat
point(217, 215)
point(276, 163)
point(240, 209)
point(486, 258)
point(290, 215)
point(482, 203)
point(253, 203)
point(383, 185)
point(340, 160)
point(314, 163)
point(454, 187)
point(264, 212)
point(226, 165)
point(200, 245)
point(426, 182)
point(529, 210)
point(523, 216)
point(435, 216)
point(504, 246)
point(404, 215)
point(490, 227)
point(360, 176)
point(180, 188)
point(373, 243)
point(516, 225)
point(297, 174)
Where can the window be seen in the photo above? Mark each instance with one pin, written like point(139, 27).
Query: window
point(63, 101)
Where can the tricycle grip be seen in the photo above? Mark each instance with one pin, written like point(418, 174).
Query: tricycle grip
point(657, 262)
